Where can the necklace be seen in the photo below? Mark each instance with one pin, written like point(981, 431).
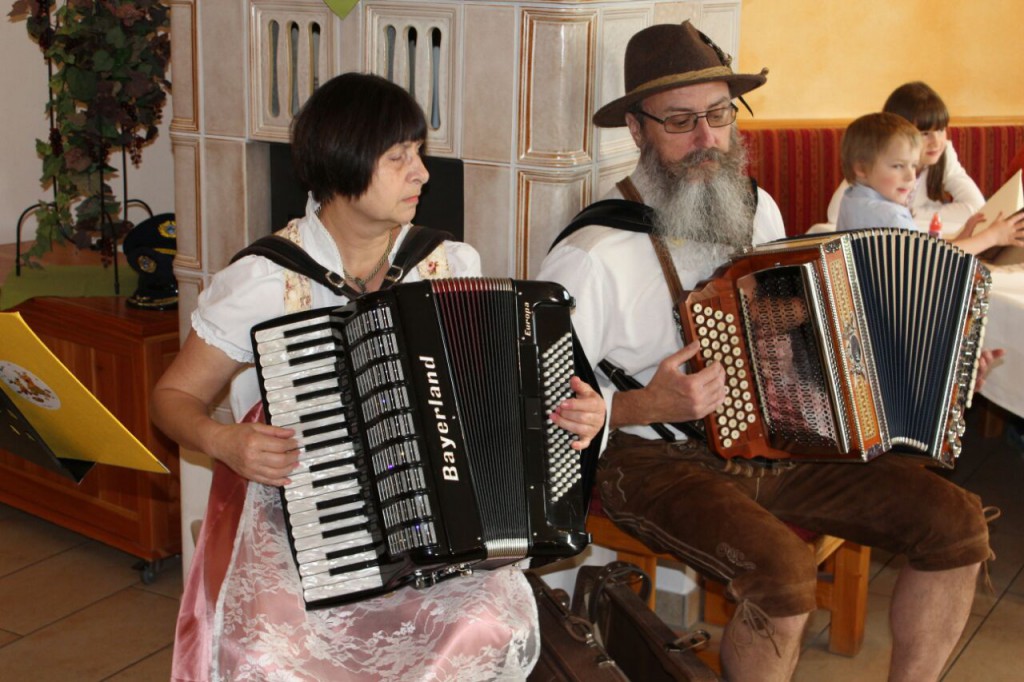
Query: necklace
point(361, 282)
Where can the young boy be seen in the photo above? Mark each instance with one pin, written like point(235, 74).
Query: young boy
point(880, 155)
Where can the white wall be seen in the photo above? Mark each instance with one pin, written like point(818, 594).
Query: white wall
point(23, 84)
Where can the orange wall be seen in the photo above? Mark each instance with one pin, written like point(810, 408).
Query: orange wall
point(830, 59)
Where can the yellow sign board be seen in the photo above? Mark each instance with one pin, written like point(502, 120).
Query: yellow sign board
point(47, 416)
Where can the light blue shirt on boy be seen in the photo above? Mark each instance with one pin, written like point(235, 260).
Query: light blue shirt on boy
point(863, 207)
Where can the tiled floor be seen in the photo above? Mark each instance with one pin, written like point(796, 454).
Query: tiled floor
point(74, 610)
point(989, 650)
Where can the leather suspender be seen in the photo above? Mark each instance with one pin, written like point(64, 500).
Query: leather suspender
point(668, 269)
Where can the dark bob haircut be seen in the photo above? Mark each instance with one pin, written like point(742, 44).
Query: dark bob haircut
point(345, 127)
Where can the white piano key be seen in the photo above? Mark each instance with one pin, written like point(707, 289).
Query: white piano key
point(357, 538)
point(309, 442)
point(323, 566)
point(315, 422)
point(296, 370)
point(342, 454)
point(358, 575)
point(289, 418)
point(286, 406)
point(297, 519)
point(310, 502)
point(280, 331)
point(370, 582)
point(274, 378)
point(304, 491)
point(282, 343)
point(344, 544)
point(293, 392)
point(312, 534)
point(295, 356)
point(309, 478)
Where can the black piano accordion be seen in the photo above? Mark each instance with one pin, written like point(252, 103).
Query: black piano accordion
point(842, 346)
point(426, 451)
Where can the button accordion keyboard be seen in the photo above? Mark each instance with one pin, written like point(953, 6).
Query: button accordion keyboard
point(842, 346)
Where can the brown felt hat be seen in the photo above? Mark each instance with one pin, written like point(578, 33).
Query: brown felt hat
point(667, 56)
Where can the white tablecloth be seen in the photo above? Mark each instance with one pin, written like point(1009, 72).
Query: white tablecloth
point(1005, 329)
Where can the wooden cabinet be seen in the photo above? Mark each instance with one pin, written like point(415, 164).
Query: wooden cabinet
point(118, 353)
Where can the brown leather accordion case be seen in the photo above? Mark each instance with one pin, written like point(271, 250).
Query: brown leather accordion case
point(842, 346)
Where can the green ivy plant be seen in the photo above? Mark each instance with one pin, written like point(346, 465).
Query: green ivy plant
point(108, 61)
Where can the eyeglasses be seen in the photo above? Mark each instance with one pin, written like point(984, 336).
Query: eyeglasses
point(684, 123)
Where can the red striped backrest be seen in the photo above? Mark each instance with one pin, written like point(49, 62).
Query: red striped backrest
point(799, 167)
point(986, 151)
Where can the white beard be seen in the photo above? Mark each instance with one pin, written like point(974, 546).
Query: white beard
point(712, 209)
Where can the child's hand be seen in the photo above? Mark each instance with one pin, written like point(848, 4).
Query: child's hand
point(1008, 231)
point(970, 224)
point(985, 362)
point(1002, 231)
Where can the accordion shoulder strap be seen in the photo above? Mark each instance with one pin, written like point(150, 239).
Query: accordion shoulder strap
point(418, 243)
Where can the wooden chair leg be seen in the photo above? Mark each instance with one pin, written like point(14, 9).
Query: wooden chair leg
point(718, 610)
point(849, 598)
point(842, 590)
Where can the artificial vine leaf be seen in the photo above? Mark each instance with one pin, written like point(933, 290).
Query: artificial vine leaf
point(52, 166)
point(115, 38)
point(102, 61)
point(81, 84)
point(107, 92)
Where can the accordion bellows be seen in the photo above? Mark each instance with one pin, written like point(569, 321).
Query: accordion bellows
point(842, 346)
point(425, 447)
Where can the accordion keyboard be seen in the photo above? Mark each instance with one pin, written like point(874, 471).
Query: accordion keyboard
point(425, 448)
point(720, 341)
point(556, 368)
point(333, 536)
